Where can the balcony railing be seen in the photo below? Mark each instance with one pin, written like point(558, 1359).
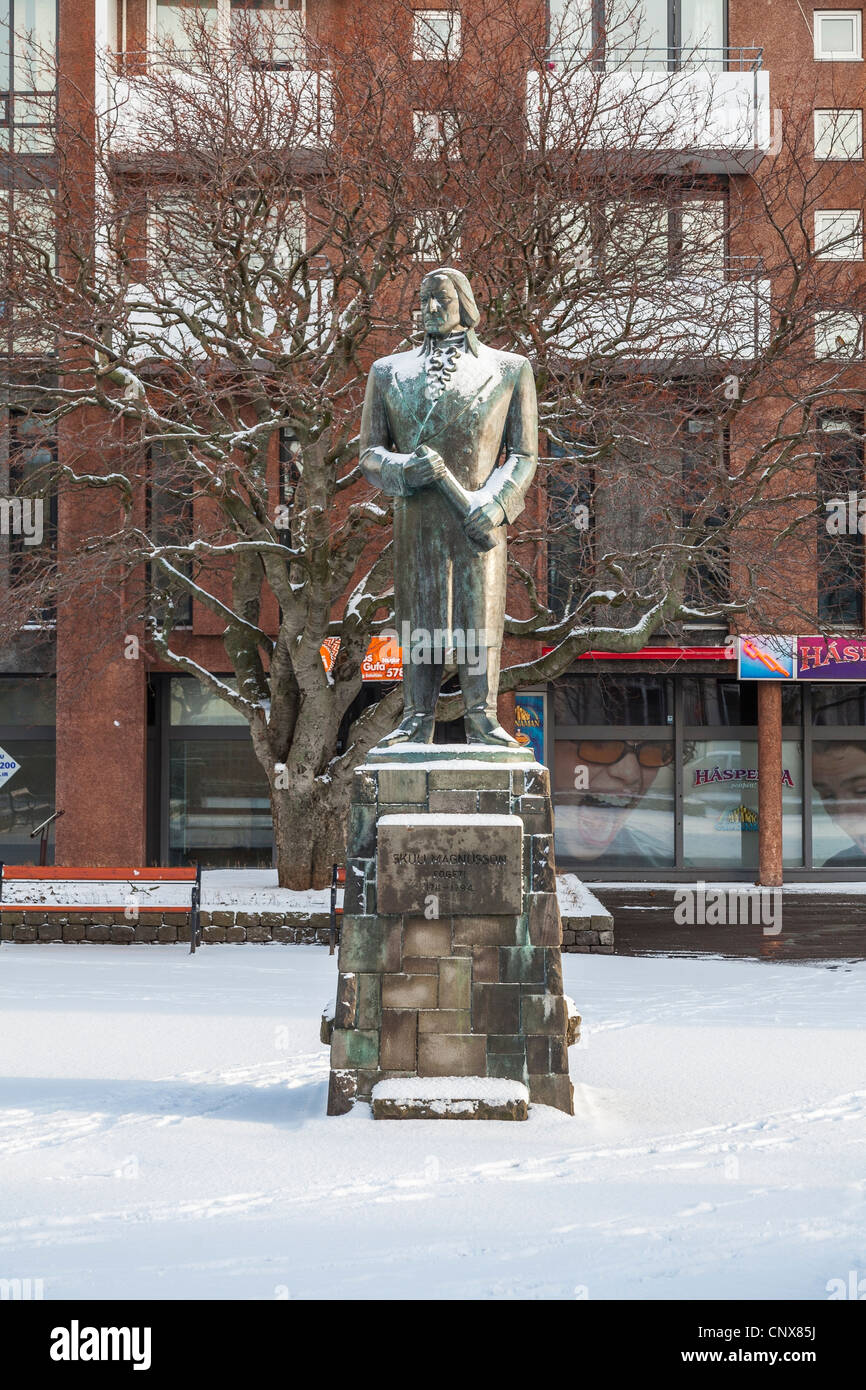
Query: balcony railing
point(683, 315)
point(295, 102)
point(708, 106)
point(738, 58)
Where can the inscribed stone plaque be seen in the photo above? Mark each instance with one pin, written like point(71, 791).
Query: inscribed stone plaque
point(472, 863)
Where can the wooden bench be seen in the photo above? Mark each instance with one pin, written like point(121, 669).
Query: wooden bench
point(338, 880)
point(26, 873)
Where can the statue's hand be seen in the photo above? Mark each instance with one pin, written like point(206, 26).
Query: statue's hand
point(423, 468)
point(483, 520)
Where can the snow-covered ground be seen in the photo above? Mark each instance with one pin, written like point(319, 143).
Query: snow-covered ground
point(163, 1135)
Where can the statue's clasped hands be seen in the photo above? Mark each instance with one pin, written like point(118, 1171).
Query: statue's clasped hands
point(483, 520)
point(424, 467)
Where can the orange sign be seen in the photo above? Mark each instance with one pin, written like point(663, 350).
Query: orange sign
point(383, 660)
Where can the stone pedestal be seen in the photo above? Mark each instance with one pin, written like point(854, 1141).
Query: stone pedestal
point(449, 960)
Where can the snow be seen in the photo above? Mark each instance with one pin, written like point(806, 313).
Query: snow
point(575, 899)
point(244, 890)
point(450, 754)
point(163, 1134)
point(427, 818)
point(450, 1088)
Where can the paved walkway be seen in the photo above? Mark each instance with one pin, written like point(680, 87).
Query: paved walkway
point(817, 922)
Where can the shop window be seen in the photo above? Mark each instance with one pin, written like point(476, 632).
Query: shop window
point(595, 701)
point(219, 804)
point(839, 803)
point(720, 804)
point(27, 701)
point(614, 802)
point(191, 703)
point(708, 701)
point(27, 798)
point(838, 706)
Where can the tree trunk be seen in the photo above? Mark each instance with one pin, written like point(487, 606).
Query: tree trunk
point(309, 833)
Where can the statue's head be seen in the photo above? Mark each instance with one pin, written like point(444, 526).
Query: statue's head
point(447, 302)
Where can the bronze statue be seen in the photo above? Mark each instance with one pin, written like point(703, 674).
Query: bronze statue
point(452, 502)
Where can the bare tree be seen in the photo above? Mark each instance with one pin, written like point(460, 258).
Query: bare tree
point(255, 235)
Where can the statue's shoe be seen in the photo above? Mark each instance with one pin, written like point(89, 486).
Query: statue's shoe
point(415, 728)
point(483, 728)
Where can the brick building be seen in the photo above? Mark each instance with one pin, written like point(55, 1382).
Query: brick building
point(147, 768)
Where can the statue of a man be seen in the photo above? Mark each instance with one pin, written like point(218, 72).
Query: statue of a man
point(452, 501)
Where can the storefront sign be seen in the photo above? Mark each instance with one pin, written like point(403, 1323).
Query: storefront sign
point(529, 723)
point(836, 659)
point(801, 658)
point(8, 767)
point(766, 659)
point(383, 661)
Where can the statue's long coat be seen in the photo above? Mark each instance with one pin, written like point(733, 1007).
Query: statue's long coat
point(485, 426)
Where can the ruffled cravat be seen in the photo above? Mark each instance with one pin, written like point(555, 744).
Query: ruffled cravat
point(442, 359)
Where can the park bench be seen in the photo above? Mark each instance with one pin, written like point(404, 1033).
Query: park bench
point(27, 873)
point(338, 880)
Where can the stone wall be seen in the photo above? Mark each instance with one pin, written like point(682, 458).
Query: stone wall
point(156, 928)
point(582, 934)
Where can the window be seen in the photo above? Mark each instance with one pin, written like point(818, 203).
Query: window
point(839, 472)
point(838, 35)
point(28, 519)
point(570, 515)
point(170, 522)
point(636, 240)
point(181, 245)
point(435, 134)
point(838, 134)
point(839, 235)
point(708, 580)
point(271, 32)
point(179, 24)
point(28, 39)
point(192, 703)
point(838, 333)
point(219, 804)
point(613, 771)
point(701, 249)
point(178, 244)
point(435, 34)
point(436, 236)
point(720, 803)
point(570, 29)
point(572, 238)
point(649, 241)
point(656, 34)
point(273, 29)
